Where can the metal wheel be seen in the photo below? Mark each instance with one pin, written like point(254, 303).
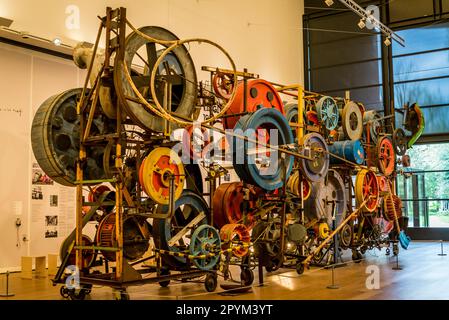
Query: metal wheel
point(211, 282)
point(316, 148)
point(299, 268)
point(55, 139)
point(247, 276)
point(352, 121)
point(365, 186)
point(178, 64)
point(346, 235)
point(205, 241)
point(327, 111)
point(386, 156)
point(187, 207)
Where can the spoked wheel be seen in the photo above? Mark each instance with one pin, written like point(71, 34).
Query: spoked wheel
point(64, 292)
point(299, 268)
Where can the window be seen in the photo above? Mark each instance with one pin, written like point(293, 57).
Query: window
point(426, 194)
point(421, 74)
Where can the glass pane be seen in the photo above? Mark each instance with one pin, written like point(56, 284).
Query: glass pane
point(408, 9)
point(423, 39)
point(421, 66)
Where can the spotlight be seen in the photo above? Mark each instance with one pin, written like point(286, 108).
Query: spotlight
point(57, 42)
point(387, 41)
point(361, 23)
point(329, 2)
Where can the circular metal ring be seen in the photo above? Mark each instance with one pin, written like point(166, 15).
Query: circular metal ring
point(271, 176)
point(316, 148)
point(294, 184)
point(223, 85)
point(371, 119)
point(366, 186)
point(327, 111)
point(161, 165)
point(386, 156)
point(187, 207)
point(184, 92)
point(352, 121)
point(205, 241)
point(233, 237)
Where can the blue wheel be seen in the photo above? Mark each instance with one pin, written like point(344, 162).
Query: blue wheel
point(328, 113)
point(205, 240)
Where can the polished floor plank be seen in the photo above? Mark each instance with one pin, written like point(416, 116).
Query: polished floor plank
point(424, 276)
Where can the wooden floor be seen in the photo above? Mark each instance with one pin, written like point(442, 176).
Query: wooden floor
point(425, 275)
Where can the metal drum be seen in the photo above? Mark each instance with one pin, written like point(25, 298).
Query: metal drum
point(260, 94)
point(349, 150)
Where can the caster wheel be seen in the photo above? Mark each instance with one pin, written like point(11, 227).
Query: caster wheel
point(387, 252)
point(121, 295)
point(64, 292)
point(211, 282)
point(357, 257)
point(299, 268)
point(247, 277)
point(77, 294)
point(164, 272)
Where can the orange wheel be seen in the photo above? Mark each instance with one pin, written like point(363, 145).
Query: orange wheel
point(97, 192)
point(366, 186)
point(219, 214)
point(386, 156)
point(260, 93)
point(294, 183)
point(233, 237)
point(223, 85)
point(388, 208)
point(383, 184)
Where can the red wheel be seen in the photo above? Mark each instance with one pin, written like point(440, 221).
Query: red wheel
point(386, 156)
point(260, 93)
point(234, 238)
point(223, 85)
point(366, 186)
point(383, 183)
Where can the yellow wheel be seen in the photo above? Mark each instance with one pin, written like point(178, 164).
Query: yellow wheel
point(366, 186)
point(161, 165)
point(323, 230)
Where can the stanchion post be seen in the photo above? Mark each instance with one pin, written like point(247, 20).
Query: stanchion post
point(442, 254)
point(7, 294)
point(333, 285)
point(397, 267)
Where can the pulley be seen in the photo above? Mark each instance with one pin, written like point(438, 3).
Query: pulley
point(87, 256)
point(136, 236)
point(327, 199)
point(205, 244)
point(352, 121)
point(55, 139)
point(323, 230)
point(260, 94)
point(291, 113)
point(178, 64)
point(400, 141)
point(366, 186)
point(235, 237)
point(223, 85)
point(315, 147)
point(388, 212)
point(190, 211)
point(267, 168)
point(294, 185)
point(385, 155)
point(371, 121)
point(327, 111)
point(228, 203)
point(157, 169)
point(345, 236)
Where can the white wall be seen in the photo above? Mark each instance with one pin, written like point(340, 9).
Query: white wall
point(264, 36)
